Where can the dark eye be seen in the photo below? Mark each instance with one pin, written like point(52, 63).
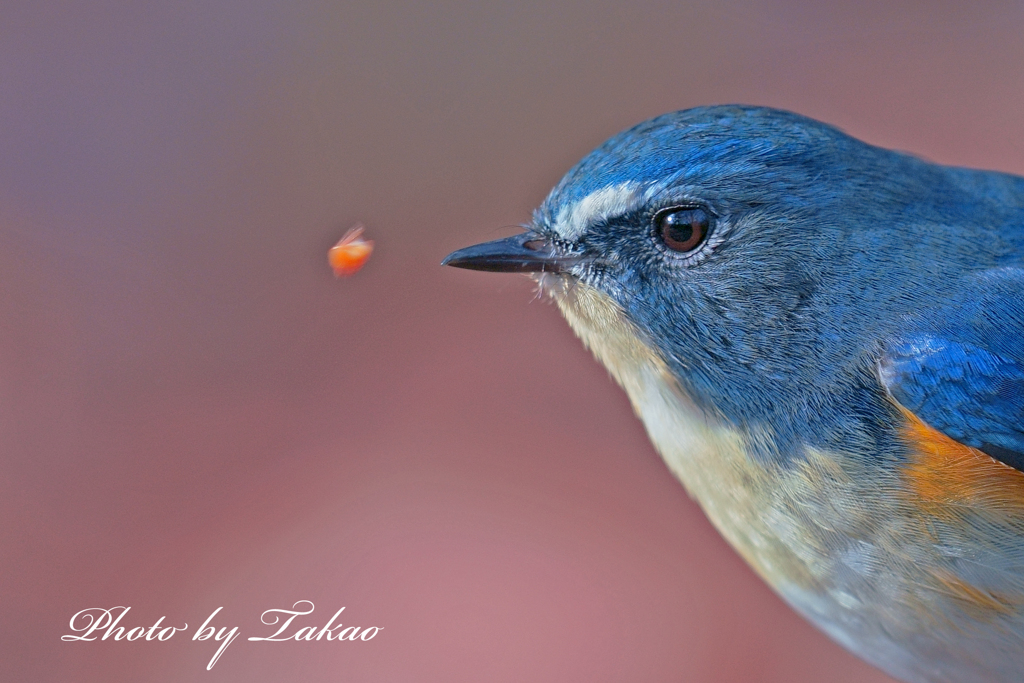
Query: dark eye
point(683, 229)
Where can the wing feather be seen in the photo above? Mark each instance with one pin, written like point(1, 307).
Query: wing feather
point(960, 367)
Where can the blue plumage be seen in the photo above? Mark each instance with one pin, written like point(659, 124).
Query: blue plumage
point(830, 245)
point(961, 367)
point(821, 336)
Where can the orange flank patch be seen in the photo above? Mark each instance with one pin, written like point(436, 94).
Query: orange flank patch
point(950, 477)
point(961, 497)
point(350, 253)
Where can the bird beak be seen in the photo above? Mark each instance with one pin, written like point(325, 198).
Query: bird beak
point(525, 253)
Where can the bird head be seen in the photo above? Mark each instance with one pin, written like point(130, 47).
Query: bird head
point(745, 249)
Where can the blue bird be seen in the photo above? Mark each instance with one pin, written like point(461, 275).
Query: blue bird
point(825, 342)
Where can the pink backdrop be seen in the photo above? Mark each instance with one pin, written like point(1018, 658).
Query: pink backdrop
point(195, 414)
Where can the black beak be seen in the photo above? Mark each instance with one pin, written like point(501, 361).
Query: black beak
point(525, 253)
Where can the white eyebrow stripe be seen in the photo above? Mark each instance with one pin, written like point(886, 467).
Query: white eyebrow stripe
point(614, 200)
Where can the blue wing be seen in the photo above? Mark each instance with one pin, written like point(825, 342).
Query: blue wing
point(960, 367)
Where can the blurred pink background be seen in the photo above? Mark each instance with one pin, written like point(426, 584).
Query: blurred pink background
point(194, 413)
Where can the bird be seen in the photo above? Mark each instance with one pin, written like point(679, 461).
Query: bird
point(824, 340)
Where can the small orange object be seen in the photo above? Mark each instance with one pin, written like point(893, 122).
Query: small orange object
point(350, 253)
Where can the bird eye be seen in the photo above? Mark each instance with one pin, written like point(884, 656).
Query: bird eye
point(682, 229)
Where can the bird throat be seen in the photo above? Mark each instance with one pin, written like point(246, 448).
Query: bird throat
point(710, 457)
point(695, 445)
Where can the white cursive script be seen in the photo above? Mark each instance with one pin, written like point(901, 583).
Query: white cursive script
point(311, 632)
point(95, 619)
point(206, 631)
point(97, 623)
